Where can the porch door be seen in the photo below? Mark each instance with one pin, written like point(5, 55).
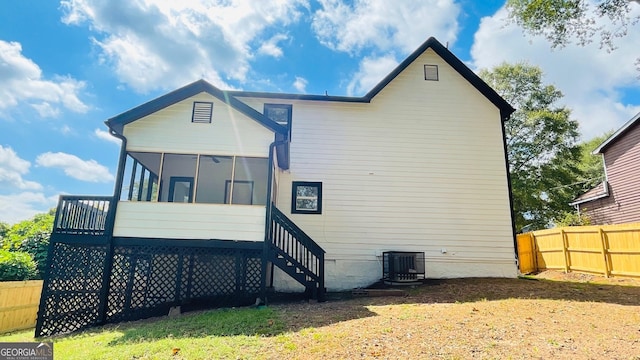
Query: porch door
point(181, 189)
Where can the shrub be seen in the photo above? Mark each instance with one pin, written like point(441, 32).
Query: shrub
point(574, 219)
point(37, 246)
point(16, 265)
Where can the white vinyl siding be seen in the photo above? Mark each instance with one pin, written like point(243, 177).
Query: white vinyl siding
point(189, 221)
point(420, 168)
point(170, 130)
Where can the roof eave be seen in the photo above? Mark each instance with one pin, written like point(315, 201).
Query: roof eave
point(616, 135)
point(117, 122)
point(605, 194)
point(284, 96)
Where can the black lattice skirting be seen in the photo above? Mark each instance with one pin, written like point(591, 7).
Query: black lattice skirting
point(90, 282)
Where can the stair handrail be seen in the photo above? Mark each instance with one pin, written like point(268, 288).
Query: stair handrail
point(293, 229)
point(315, 272)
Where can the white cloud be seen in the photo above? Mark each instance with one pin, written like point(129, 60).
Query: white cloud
point(12, 169)
point(370, 73)
point(591, 79)
point(104, 135)
point(270, 47)
point(21, 80)
point(300, 84)
point(73, 166)
point(22, 206)
point(66, 130)
point(155, 44)
point(384, 25)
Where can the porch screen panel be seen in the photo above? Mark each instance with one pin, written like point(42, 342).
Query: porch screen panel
point(213, 172)
point(250, 181)
point(141, 176)
point(178, 171)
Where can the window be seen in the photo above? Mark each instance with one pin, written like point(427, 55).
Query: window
point(431, 72)
point(202, 112)
point(306, 197)
point(280, 113)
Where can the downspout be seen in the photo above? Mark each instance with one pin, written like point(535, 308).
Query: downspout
point(120, 177)
point(506, 162)
point(108, 233)
point(267, 223)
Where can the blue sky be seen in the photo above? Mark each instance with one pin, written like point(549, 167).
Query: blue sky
point(66, 67)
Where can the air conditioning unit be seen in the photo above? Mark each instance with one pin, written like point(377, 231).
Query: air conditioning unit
point(402, 266)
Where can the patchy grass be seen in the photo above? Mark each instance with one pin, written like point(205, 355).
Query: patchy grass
point(217, 334)
point(532, 318)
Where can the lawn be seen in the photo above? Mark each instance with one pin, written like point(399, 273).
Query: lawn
point(533, 318)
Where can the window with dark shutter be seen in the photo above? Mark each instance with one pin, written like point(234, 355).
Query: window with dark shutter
point(202, 112)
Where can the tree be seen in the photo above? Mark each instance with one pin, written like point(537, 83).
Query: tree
point(4, 228)
point(541, 144)
point(562, 21)
point(32, 237)
point(591, 165)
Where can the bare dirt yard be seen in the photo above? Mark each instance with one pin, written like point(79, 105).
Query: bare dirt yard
point(548, 316)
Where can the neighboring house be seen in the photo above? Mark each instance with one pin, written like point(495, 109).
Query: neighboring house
point(617, 199)
point(311, 190)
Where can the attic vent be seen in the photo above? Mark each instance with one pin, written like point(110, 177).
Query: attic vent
point(202, 112)
point(431, 72)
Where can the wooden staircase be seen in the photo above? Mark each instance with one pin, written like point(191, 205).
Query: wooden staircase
point(293, 251)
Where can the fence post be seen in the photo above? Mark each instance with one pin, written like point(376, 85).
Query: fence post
point(603, 242)
point(534, 251)
point(565, 252)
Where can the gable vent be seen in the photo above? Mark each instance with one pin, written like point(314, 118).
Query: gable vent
point(202, 112)
point(431, 72)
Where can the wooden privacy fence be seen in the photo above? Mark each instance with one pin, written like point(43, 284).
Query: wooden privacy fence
point(19, 302)
point(607, 250)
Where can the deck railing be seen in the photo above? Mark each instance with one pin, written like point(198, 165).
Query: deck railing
point(82, 215)
point(302, 257)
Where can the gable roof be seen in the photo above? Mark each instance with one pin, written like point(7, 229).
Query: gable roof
point(505, 108)
point(118, 122)
point(617, 135)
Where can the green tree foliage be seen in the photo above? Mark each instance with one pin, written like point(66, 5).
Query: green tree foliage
point(565, 21)
point(541, 144)
point(574, 218)
point(16, 265)
point(40, 223)
point(591, 165)
point(32, 237)
point(4, 228)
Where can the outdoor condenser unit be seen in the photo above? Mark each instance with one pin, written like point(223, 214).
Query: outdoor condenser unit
point(402, 266)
